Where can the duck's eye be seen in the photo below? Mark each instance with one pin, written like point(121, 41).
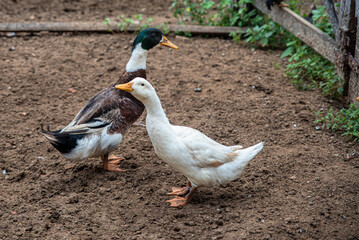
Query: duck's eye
point(142, 84)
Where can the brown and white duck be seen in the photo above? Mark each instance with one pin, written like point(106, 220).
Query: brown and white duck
point(100, 125)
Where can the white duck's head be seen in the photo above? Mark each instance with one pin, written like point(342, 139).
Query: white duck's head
point(140, 88)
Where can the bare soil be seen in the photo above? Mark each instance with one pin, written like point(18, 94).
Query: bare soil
point(303, 185)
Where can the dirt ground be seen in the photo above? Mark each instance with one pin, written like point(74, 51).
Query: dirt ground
point(301, 186)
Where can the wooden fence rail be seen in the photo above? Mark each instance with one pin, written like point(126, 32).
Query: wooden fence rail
point(99, 27)
point(343, 51)
point(301, 28)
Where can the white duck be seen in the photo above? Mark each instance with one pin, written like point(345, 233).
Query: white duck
point(202, 160)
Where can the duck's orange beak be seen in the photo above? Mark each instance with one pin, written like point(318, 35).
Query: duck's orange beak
point(167, 43)
point(125, 87)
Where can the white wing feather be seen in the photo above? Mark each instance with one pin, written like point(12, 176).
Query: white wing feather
point(203, 149)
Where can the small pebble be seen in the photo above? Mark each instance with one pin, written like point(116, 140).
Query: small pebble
point(253, 87)
point(4, 172)
point(8, 88)
point(197, 89)
point(295, 125)
point(317, 127)
point(10, 34)
point(139, 124)
point(262, 220)
point(72, 90)
point(12, 48)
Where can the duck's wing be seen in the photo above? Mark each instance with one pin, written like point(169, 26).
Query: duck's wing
point(99, 105)
point(110, 106)
point(204, 151)
point(96, 126)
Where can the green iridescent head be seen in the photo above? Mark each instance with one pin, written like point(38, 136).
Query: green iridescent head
point(150, 38)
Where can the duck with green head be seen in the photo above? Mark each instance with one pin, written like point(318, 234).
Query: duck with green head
point(100, 125)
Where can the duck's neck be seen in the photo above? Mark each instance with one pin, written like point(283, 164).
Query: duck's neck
point(137, 60)
point(155, 110)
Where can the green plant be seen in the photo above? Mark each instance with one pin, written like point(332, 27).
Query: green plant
point(196, 11)
point(346, 120)
point(124, 22)
point(107, 22)
point(225, 13)
point(269, 34)
point(321, 20)
point(307, 68)
point(164, 28)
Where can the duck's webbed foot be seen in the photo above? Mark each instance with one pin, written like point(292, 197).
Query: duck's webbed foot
point(111, 163)
point(181, 191)
point(181, 201)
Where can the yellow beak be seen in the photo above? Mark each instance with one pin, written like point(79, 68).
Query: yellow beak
point(167, 43)
point(125, 87)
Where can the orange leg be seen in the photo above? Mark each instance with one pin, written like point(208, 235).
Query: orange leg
point(181, 191)
point(110, 163)
point(181, 201)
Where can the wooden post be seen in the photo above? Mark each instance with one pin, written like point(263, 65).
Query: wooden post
point(346, 42)
point(353, 91)
point(330, 7)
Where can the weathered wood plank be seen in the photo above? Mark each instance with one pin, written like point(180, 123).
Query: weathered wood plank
point(99, 27)
point(353, 91)
point(330, 7)
point(311, 35)
point(346, 42)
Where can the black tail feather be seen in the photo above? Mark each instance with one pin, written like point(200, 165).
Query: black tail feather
point(62, 141)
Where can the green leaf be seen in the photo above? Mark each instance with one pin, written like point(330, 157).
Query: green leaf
point(287, 52)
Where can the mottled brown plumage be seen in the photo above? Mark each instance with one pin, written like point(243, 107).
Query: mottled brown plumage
point(114, 106)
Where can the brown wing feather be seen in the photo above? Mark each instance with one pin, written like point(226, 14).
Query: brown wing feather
point(114, 106)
